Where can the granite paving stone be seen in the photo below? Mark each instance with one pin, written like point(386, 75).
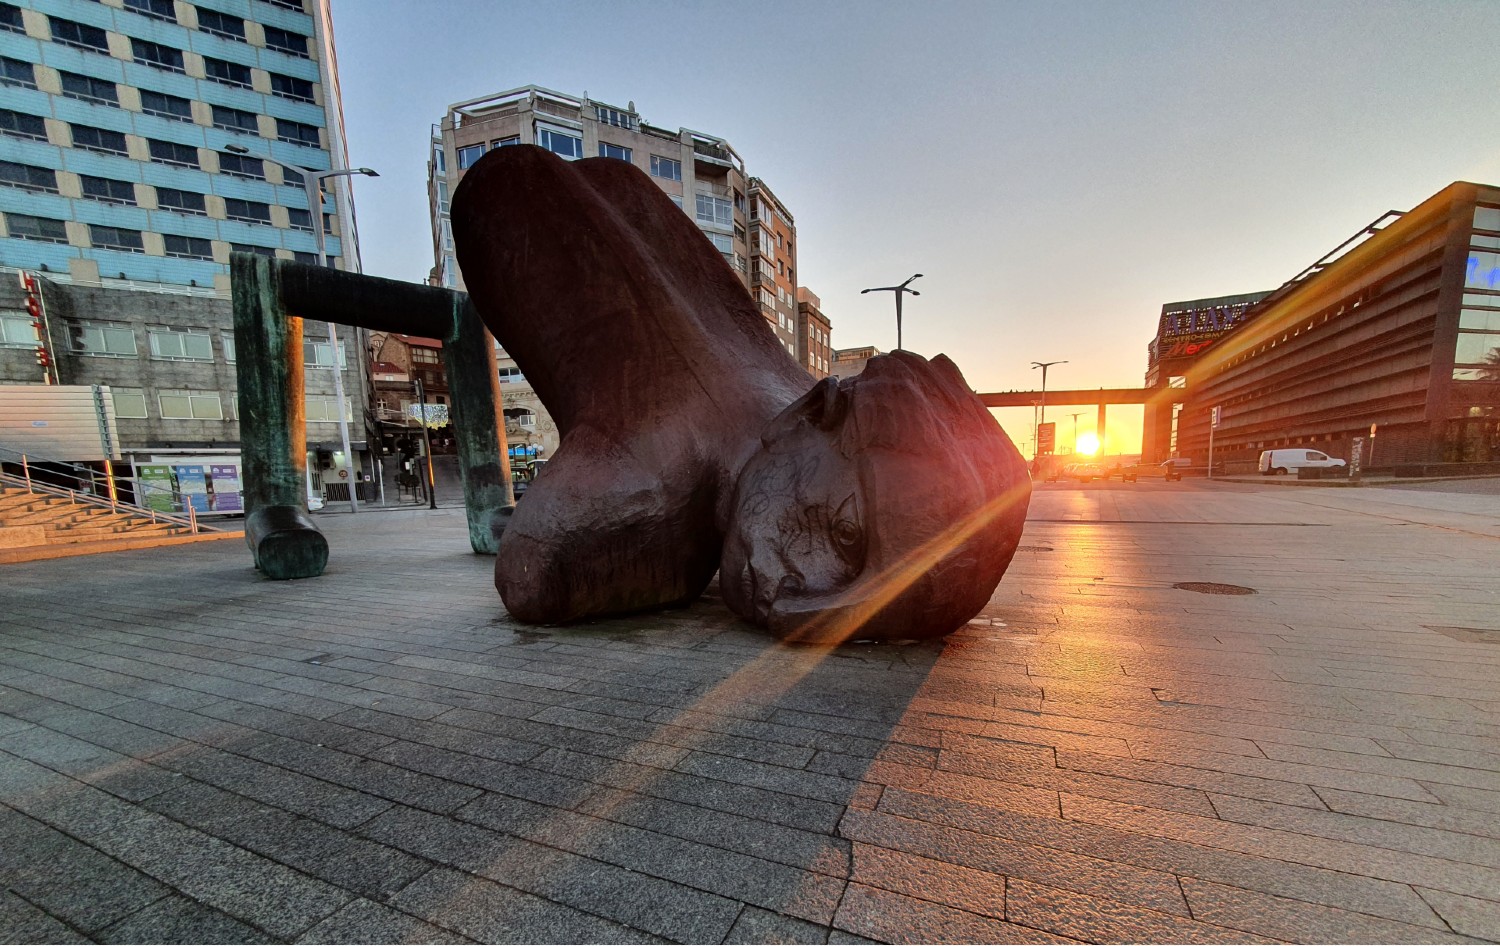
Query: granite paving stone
point(191, 753)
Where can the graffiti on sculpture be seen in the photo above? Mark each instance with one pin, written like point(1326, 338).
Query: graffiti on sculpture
point(882, 507)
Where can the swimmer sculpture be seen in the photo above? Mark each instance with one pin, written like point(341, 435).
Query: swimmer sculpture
point(882, 507)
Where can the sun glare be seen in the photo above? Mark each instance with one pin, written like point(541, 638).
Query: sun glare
point(1088, 444)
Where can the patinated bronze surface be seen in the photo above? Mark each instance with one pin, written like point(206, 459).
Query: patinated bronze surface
point(887, 507)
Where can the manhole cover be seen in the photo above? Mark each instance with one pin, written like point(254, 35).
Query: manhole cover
point(1469, 635)
point(1214, 588)
point(1033, 548)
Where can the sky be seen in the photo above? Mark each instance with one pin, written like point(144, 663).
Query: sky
point(1057, 171)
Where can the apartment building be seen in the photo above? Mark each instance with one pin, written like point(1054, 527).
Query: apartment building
point(814, 335)
point(773, 263)
point(142, 142)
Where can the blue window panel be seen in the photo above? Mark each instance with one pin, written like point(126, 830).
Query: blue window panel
point(109, 215)
point(273, 60)
point(216, 139)
point(27, 151)
point(97, 65)
point(159, 80)
point(94, 14)
point(87, 113)
point(31, 101)
point(207, 44)
point(17, 46)
point(333, 246)
point(289, 196)
point(34, 254)
point(150, 28)
point(299, 242)
point(99, 165)
point(14, 200)
point(217, 93)
point(165, 221)
point(314, 159)
point(167, 129)
point(174, 271)
point(183, 179)
point(236, 231)
point(226, 185)
point(307, 114)
point(279, 16)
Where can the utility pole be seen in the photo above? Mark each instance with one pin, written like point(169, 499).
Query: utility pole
point(1044, 365)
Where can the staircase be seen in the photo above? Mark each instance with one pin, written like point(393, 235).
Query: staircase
point(40, 522)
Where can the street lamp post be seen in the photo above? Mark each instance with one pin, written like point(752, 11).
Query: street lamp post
point(898, 290)
point(1075, 428)
point(312, 183)
point(1044, 365)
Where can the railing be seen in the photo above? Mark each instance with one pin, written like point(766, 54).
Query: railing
point(86, 496)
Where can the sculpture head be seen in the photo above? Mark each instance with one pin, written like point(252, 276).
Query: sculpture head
point(882, 507)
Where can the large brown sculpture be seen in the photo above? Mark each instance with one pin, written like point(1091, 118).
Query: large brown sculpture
point(883, 507)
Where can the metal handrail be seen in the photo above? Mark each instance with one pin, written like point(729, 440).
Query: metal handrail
point(112, 503)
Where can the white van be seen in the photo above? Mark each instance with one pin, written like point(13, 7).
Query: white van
point(1286, 460)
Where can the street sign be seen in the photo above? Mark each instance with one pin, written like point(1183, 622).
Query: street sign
point(1046, 437)
point(1217, 416)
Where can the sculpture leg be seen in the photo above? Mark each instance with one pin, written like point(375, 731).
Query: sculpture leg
point(268, 371)
point(474, 385)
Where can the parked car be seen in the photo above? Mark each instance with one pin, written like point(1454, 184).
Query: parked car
point(1290, 459)
point(1174, 468)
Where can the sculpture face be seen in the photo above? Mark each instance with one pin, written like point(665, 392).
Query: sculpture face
point(886, 507)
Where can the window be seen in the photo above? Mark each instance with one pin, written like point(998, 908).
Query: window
point(173, 344)
point(424, 356)
point(286, 41)
point(185, 247)
point(505, 142)
point(560, 143)
point(26, 227)
point(239, 165)
point(159, 9)
point(130, 403)
point(228, 342)
point(115, 238)
point(468, 154)
point(186, 202)
point(511, 375)
point(666, 168)
point(722, 243)
point(311, 259)
point(1477, 348)
point(269, 252)
point(322, 409)
point(320, 355)
point(676, 199)
point(89, 89)
point(715, 210)
point(613, 116)
point(290, 87)
point(80, 35)
point(250, 211)
point(607, 150)
point(28, 177)
point(10, 18)
point(221, 24)
point(299, 219)
point(155, 54)
point(191, 405)
point(17, 72)
point(92, 338)
point(108, 189)
point(297, 133)
point(17, 331)
point(229, 73)
point(21, 125)
point(233, 119)
point(170, 152)
point(166, 106)
point(98, 139)
point(292, 178)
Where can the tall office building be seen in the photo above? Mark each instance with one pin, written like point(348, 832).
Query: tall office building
point(135, 134)
point(141, 142)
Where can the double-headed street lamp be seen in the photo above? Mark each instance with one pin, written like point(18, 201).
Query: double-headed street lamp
point(898, 290)
point(1044, 365)
point(312, 182)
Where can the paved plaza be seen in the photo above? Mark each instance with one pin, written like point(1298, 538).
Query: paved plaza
point(189, 753)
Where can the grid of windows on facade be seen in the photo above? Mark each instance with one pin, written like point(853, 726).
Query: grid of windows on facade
point(1476, 355)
